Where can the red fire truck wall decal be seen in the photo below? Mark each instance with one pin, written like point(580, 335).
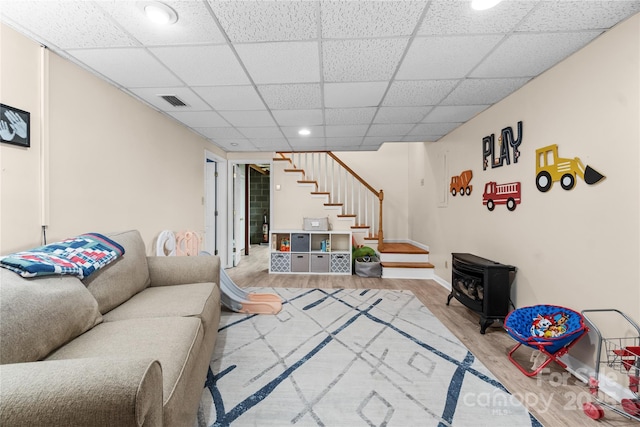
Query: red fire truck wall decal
point(501, 194)
point(460, 184)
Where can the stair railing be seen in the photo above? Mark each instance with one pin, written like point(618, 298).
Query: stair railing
point(344, 187)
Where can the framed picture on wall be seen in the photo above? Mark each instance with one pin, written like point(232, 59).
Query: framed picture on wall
point(14, 126)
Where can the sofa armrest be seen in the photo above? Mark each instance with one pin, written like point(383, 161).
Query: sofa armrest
point(178, 270)
point(82, 392)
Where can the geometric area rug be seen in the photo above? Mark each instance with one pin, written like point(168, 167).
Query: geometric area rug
point(349, 357)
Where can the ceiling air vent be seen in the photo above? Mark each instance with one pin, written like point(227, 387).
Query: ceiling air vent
point(173, 100)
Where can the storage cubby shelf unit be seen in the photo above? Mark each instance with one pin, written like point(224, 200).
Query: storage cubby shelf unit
point(310, 252)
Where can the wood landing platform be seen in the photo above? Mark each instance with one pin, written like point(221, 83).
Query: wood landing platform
point(401, 248)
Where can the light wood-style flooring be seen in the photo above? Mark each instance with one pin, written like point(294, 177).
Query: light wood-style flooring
point(555, 397)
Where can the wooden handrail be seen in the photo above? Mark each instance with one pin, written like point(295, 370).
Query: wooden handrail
point(378, 194)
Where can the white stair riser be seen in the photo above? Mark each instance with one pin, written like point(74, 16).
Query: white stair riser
point(386, 257)
point(407, 273)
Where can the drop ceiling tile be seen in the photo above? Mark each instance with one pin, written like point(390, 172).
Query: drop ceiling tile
point(483, 91)
point(292, 132)
point(255, 21)
point(390, 129)
point(343, 142)
point(418, 93)
point(195, 24)
point(286, 62)
point(379, 140)
point(203, 65)
point(292, 96)
point(445, 57)
point(346, 130)
point(248, 118)
point(232, 145)
point(307, 144)
point(453, 113)
point(128, 67)
point(344, 116)
point(527, 55)
point(298, 117)
point(66, 24)
point(274, 144)
point(361, 60)
point(200, 119)
point(220, 133)
point(357, 19)
point(261, 132)
point(361, 94)
point(578, 15)
point(457, 17)
point(401, 114)
point(433, 129)
point(153, 97)
point(231, 97)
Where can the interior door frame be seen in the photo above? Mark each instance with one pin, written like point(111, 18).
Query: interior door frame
point(245, 161)
point(221, 241)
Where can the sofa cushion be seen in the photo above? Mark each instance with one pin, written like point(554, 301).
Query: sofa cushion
point(174, 341)
point(199, 300)
point(123, 278)
point(42, 314)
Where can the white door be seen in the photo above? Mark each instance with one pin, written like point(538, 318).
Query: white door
point(239, 223)
point(215, 205)
point(211, 207)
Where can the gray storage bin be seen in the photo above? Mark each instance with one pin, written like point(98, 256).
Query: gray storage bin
point(280, 263)
point(320, 263)
point(299, 263)
point(368, 266)
point(340, 263)
point(299, 242)
point(315, 224)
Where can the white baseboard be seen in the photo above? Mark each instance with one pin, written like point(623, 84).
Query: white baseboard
point(607, 384)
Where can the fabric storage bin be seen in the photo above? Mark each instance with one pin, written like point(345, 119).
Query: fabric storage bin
point(315, 224)
point(320, 263)
point(280, 263)
point(340, 263)
point(299, 263)
point(299, 242)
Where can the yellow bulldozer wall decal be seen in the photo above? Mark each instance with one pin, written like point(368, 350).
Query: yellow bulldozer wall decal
point(550, 168)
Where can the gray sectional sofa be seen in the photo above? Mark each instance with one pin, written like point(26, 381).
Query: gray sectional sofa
point(128, 346)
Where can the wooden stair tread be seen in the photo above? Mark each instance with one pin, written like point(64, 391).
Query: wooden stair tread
point(321, 193)
point(333, 204)
point(347, 216)
point(302, 181)
point(401, 248)
point(294, 170)
point(360, 226)
point(407, 265)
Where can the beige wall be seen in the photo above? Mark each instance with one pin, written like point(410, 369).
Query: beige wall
point(577, 248)
point(112, 163)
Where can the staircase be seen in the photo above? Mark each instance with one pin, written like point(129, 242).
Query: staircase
point(350, 203)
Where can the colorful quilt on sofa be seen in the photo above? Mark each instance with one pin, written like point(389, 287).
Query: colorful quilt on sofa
point(79, 256)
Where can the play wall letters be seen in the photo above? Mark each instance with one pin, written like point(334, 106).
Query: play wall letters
point(501, 155)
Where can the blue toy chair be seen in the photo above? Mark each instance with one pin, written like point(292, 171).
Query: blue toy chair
point(551, 329)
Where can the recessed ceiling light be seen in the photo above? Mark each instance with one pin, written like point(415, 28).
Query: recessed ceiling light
point(160, 13)
point(304, 132)
point(234, 144)
point(484, 4)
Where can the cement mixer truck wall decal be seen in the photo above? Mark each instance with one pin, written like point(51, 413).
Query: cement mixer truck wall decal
point(550, 168)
